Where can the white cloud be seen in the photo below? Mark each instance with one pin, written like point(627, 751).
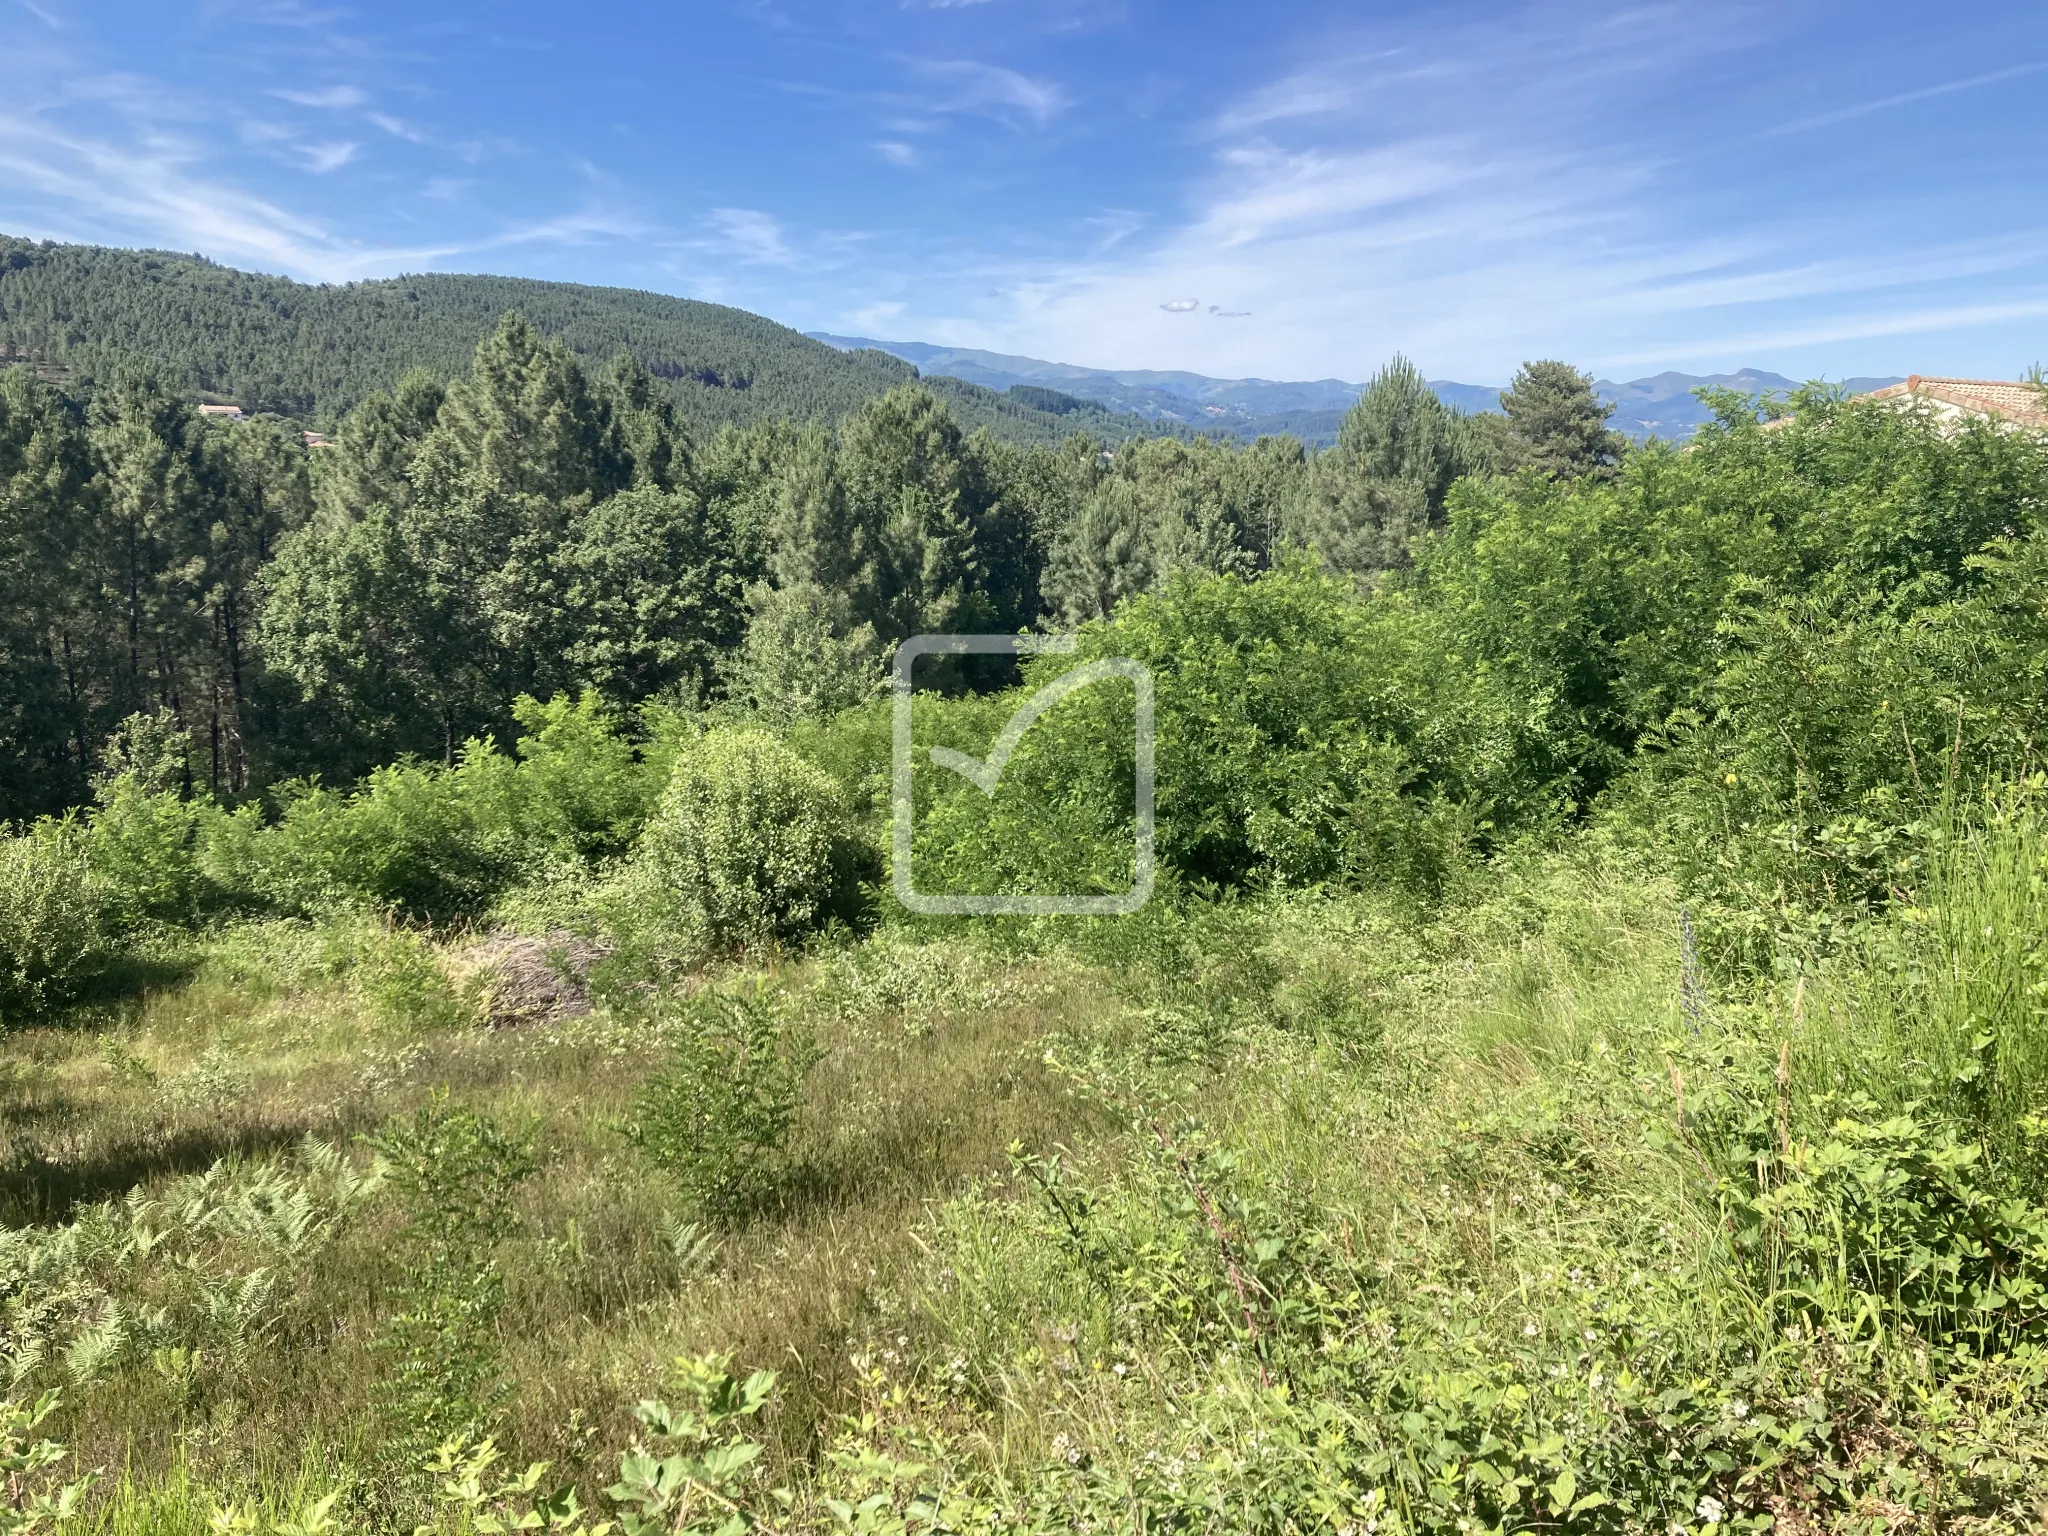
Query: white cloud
point(752, 235)
point(1904, 98)
point(151, 190)
point(1472, 199)
point(331, 96)
point(1181, 306)
point(398, 128)
point(992, 90)
point(322, 158)
point(1865, 326)
point(896, 152)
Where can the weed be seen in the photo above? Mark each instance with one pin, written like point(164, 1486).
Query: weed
point(719, 1117)
point(455, 1172)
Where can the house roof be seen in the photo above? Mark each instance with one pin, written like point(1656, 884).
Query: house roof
point(1955, 398)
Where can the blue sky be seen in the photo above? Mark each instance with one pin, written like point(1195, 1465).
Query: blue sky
point(1816, 188)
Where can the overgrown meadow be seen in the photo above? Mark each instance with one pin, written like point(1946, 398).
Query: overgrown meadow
point(1583, 1069)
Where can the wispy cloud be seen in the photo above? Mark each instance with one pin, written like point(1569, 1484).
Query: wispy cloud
point(154, 191)
point(41, 15)
point(1905, 98)
point(322, 158)
point(896, 152)
point(992, 90)
point(156, 167)
point(333, 96)
point(1466, 198)
point(1864, 326)
point(398, 128)
point(752, 235)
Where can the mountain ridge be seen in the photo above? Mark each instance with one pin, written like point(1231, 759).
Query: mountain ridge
point(1661, 405)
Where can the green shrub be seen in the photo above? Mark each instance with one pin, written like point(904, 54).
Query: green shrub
point(1303, 735)
point(1894, 1219)
point(146, 846)
point(393, 970)
point(581, 788)
point(52, 934)
point(455, 1172)
point(742, 851)
point(431, 843)
point(719, 1117)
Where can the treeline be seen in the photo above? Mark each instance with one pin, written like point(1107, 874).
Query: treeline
point(313, 352)
point(535, 528)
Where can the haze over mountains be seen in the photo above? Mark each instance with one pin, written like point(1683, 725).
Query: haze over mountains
point(1660, 406)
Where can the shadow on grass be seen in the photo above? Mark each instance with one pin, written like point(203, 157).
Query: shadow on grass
point(34, 1191)
point(103, 997)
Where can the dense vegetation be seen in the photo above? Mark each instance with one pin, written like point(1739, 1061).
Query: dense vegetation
point(313, 353)
point(1583, 1069)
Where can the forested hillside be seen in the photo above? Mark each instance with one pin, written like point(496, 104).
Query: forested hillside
point(313, 352)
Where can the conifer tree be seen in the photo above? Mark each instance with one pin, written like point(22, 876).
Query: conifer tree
point(54, 657)
point(1100, 558)
point(1558, 424)
point(1398, 452)
point(654, 596)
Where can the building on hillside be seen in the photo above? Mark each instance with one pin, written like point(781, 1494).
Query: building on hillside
point(1954, 402)
point(315, 440)
point(224, 412)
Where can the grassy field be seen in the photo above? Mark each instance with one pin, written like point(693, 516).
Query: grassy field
point(1284, 1213)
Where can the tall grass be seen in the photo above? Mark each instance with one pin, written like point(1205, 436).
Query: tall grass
point(1945, 1003)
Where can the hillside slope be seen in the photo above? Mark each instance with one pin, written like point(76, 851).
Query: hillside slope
point(311, 352)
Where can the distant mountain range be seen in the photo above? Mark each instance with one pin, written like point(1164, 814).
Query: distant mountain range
point(1660, 406)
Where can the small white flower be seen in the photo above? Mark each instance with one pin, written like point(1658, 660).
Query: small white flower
point(1710, 1509)
point(1531, 1330)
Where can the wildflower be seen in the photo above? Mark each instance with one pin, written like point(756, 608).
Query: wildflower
point(1710, 1509)
point(1530, 1330)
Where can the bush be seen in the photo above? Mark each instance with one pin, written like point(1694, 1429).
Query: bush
point(719, 1118)
point(444, 844)
point(581, 788)
point(145, 844)
point(52, 938)
point(456, 1172)
point(1303, 735)
point(741, 853)
point(424, 842)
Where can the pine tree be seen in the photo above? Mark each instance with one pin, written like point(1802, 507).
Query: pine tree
point(1559, 425)
point(1100, 558)
point(653, 595)
point(1398, 452)
point(259, 492)
point(645, 432)
point(54, 659)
